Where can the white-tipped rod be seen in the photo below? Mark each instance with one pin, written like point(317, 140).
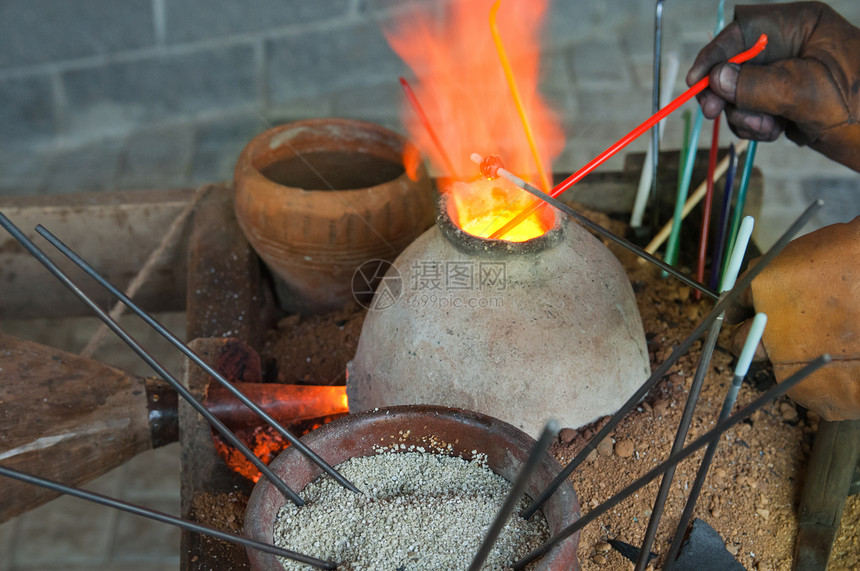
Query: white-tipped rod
point(753, 337)
point(744, 361)
point(738, 252)
point(750, 345)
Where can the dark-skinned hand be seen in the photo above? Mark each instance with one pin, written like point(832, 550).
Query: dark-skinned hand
point(805, 83)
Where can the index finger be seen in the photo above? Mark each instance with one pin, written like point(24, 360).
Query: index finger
point(727, 43)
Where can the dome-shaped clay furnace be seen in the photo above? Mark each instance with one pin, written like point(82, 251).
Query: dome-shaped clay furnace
point(546, 328)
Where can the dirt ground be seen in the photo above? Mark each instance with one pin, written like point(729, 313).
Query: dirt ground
point(751, 492)
point(313, 349)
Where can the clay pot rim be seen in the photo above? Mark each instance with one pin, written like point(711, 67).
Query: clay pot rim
point(487, 247)
point(248, 167)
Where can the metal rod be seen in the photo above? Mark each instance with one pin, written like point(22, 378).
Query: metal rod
point(156, 366)
point(595, 227)
point(655, 107)
point(519, 486)
point(728, 403)
point(164, 518)
point(176, 342)
point(678, 443)
point(682, 348)
point(711, 436)
point(692, 401)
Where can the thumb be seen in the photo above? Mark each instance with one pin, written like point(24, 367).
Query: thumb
point(800, 90)
point(724, 81)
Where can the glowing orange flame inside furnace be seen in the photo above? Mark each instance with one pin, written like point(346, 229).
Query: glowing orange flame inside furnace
point(481, 207)
point(462, 89)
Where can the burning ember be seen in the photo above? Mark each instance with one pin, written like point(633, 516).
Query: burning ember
point(468, 106)
point(299, 408)
point(265, 442)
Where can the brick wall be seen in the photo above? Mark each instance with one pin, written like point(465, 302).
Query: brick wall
point(91, 67)
point(73, 70)
point(85, 68)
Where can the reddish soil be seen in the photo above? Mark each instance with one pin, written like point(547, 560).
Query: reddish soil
point(313, 349)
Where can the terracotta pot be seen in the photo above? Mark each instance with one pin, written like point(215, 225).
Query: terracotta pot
point(313, 226)
point(357, 435)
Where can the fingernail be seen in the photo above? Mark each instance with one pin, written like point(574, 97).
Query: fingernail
point(753, 122)
point(727, 79)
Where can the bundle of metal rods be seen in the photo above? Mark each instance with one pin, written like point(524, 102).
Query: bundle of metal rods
point(731, 291)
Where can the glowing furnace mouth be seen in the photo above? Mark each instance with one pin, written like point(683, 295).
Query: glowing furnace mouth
point(545, 232)
point(480, 207)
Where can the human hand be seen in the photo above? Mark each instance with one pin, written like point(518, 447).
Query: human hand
point(806, 82)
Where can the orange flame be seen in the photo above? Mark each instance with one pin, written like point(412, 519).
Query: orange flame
point(411, 161)
point(463, 91)
point(301, 408)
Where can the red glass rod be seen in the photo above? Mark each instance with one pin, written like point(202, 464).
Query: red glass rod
point(564, 185)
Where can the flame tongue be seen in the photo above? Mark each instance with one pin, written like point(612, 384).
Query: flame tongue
point(302, 407)
point(463, 92)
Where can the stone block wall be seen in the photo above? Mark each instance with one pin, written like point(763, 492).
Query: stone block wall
point(88, 68)
point(84, 68)
point(78, 71)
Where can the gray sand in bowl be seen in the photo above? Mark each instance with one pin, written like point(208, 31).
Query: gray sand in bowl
point(421, 511)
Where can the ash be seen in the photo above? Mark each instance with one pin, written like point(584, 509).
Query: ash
point(420, 511)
